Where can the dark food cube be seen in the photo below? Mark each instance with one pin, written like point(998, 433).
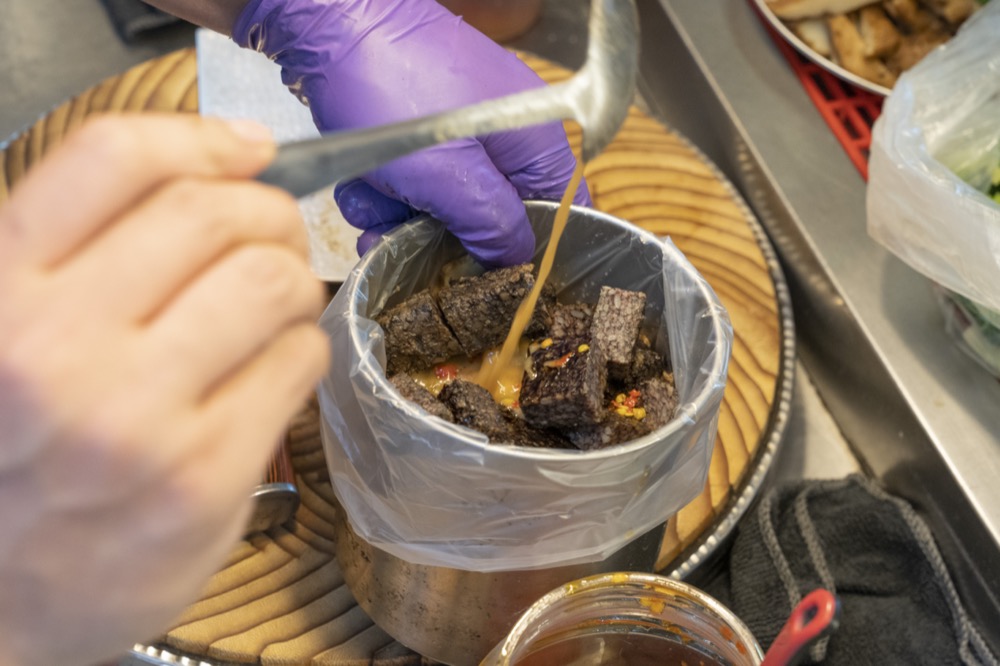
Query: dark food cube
point(416, 336)
point(571, 321)
point(528, 436)
point(617, 317)
point(417, 393)
point(659, 398)
point(541, 318)
point(474, 407)
point(645, 365)
point(565, 388)
point(616, 429)
point(480, 309)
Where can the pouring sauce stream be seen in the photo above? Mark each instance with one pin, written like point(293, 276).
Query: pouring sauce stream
point(490, 372)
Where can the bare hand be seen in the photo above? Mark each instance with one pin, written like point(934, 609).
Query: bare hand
point(157, 331)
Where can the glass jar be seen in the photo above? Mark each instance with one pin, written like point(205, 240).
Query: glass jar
point(632, 619)
point(500, 20)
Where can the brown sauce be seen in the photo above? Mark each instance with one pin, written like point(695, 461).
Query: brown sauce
point(623, 648)
point(506, 385)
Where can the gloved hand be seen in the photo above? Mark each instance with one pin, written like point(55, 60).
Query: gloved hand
point(359, 63)
point(157, 332)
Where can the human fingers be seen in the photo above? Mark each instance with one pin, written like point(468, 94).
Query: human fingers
point(367, 209)
point(227, 315)
point(458, 184)
point(543, 172)
point(272, 386)
point(156, 249)
point(368, 239)
point(364, 207)
point(113, 161)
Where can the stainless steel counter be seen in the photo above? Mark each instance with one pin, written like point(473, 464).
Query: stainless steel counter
point(919, 414)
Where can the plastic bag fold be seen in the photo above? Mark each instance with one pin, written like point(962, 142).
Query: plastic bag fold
point(933, 152)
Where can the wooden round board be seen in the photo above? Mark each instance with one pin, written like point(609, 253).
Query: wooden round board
point(280, 598)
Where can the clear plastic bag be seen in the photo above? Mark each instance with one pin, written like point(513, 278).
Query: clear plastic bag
point(435, 493)
point(933, 152)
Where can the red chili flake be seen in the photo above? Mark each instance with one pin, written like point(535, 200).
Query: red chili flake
point(633, 398)
point(446, 371)
point(559, 362)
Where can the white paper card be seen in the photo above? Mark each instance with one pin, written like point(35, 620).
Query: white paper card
point(239, 83)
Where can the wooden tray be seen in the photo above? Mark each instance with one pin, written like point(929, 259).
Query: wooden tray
point(280, 599)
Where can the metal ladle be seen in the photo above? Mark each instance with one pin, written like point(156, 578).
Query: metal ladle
point(597, 97)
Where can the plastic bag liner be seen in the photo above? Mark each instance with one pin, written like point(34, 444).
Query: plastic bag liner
point(438, 494)
point(933, 148)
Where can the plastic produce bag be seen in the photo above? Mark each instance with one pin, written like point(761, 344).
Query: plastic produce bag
point(436, 493)
point(934, 150)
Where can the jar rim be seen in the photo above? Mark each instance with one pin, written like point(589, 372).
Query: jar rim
point(632, 580)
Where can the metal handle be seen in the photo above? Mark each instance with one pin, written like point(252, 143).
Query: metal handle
point(598, 97)
point(305, 167)
point(276, 498)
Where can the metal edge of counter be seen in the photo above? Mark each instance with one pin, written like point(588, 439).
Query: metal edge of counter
point(854, 375)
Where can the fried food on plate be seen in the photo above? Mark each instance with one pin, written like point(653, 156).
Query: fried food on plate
point(813, 32)
point(791, 10)
point(875, 39)
point(880, 35)
point(849, 48)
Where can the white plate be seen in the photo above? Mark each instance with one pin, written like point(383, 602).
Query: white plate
point(824, 62)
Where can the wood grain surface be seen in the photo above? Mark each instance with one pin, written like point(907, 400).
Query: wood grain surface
point(281, 599)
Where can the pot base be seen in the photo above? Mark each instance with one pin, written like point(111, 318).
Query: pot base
point(455, 616)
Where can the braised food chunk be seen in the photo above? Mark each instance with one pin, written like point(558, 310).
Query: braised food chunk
point(565, 387)
point(523, 434)
point(480, 309)
point(474, 407)
point(645, 365)
point(571, 320)
point(418, 394)
point(631, 415)
point(659, 399)
point(568, 392)
point(617, 318)
point(416, 336)
point(614, 430)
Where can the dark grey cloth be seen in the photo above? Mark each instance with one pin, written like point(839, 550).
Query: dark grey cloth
point(133, 18)
point(898, 604)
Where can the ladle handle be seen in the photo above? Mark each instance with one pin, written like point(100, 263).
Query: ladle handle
point(814, 617)
point(304, 167)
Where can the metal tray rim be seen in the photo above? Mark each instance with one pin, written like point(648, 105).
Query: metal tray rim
point(706, 546)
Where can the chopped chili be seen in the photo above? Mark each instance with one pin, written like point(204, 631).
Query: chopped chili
point(446, 371)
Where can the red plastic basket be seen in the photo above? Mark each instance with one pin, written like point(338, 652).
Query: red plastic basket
point(849, 110)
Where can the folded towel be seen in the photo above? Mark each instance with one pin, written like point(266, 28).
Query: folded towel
point(898, 603)
point(133, 18)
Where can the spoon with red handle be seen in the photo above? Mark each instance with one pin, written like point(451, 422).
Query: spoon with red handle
point(817, 615)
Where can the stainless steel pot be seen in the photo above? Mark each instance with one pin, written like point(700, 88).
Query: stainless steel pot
point(455, 616)
point(445, 539)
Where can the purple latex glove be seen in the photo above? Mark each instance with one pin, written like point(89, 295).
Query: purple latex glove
point(359, 63)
